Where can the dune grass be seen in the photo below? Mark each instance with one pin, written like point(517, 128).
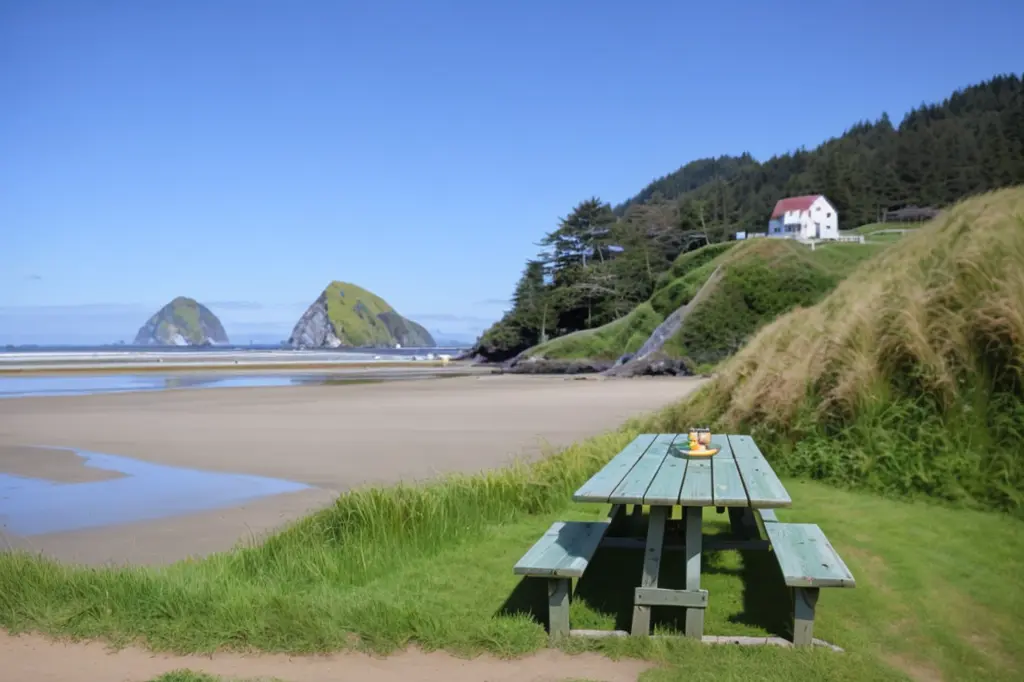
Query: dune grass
point(909, 378)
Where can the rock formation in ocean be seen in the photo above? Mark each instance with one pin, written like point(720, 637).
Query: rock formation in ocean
point(182, 322)
point(348, 315)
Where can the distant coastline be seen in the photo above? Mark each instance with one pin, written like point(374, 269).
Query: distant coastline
point(133, 348)
point(57, 360)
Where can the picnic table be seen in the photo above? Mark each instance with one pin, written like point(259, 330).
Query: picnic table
point(653, 471)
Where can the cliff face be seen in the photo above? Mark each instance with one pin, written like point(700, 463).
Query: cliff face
point(348, 315)
point(182, 322)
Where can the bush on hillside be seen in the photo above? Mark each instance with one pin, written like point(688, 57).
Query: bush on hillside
point(746, 298)
point(762, 280)
point(692, 260)
point(608, 342)
point(908, 378)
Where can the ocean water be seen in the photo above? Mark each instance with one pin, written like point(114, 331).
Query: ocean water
point(72, 385)
point(125, 348)
point(41, 386)
point(146, 491)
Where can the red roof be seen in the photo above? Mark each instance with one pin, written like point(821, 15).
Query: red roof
point(794, 204)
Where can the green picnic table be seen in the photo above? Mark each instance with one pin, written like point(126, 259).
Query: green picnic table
point(653, 471)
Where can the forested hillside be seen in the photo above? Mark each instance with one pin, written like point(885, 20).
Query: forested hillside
point(600, 262)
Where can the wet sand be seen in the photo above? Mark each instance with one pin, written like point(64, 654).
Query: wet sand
point(330, 437)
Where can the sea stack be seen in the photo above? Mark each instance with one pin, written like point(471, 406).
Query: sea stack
point(182, 322)
point(346, 315)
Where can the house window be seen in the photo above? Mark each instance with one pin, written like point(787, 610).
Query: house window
point(817, 208)
point(829, 214)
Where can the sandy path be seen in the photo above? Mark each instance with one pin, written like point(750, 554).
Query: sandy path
point(34, 659)
point(331, 437)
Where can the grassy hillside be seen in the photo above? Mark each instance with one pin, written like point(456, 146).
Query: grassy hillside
point(909, 378)
point(625, 335)
point(361, 318)
point(763, 278)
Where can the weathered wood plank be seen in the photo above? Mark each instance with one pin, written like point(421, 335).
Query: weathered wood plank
point(664, 489)
point(658, 596)
point(764, 489)
point(600, 486)
point(806, 557)
point(652, 566)
point(563, 551)
point(633, 487)
point(696, 490)
point(728, 488)
point(744, 447)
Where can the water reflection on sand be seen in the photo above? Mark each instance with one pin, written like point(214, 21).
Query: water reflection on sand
point(145, 491)
point(58, 385)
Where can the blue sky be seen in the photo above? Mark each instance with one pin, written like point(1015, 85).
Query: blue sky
point(247, 152)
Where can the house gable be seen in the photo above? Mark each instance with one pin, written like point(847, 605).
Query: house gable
point(797, 204)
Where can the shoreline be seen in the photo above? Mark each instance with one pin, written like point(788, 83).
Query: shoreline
point(339, 367)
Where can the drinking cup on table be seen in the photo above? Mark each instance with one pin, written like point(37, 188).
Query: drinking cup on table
point(704, 437)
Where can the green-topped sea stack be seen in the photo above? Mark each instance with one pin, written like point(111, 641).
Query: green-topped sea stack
point(182, 322)
point(348, 315)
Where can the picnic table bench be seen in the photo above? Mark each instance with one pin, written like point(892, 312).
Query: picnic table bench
point(651, 471)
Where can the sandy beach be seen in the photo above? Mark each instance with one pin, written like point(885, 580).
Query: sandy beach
point(328, 437)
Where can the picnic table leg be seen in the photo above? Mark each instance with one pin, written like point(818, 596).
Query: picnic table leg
point(558, 607)
point(804, 601)
point(694, 617)
point(636, 519)
point(742, 522)
point(652, 564)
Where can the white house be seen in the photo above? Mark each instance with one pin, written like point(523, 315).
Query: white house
point(806, 217)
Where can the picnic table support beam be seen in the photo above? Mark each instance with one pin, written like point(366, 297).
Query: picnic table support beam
point(558, 607)
point(636, 518)
point(652, 565)
point(694, 616)
point(804, 601)
point(742, 522)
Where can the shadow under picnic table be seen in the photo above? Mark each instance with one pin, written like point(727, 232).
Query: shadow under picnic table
point(608, 585)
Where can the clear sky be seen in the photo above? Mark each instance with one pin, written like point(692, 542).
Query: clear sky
point(247, 152)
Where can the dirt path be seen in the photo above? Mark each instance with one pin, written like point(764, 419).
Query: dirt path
point(29, 658)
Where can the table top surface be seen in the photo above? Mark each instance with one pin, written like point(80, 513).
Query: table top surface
point(652, 471)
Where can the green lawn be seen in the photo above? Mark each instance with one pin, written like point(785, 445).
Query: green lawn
point(938, 594)
point(874, 227)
